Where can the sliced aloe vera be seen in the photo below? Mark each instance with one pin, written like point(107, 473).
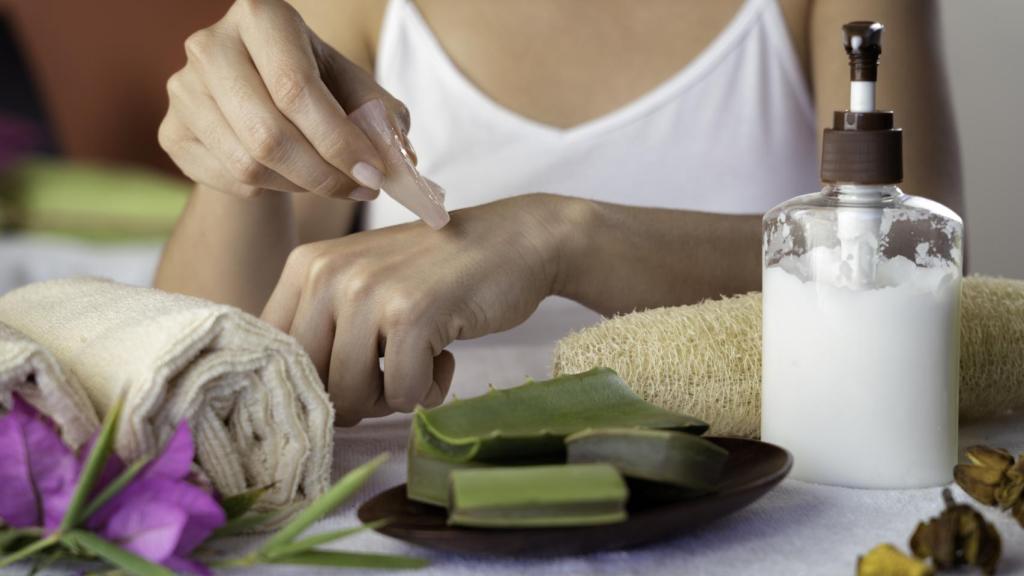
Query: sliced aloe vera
point(428, 476)
point(538, 496)
point(675, 458)
point(428, 473)
point(534, 418)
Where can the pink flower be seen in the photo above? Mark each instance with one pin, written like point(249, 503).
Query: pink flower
point(160, 515)
point(39, 472)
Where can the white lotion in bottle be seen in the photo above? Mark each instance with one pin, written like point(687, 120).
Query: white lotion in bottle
point(861, 290)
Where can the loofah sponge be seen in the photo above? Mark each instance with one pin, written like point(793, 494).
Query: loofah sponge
point(705, 360)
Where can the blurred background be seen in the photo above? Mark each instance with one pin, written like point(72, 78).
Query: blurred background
point(84, 185)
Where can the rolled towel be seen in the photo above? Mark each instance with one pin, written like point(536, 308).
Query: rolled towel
point(254, 401)
point(705, 359)
point(26, 368)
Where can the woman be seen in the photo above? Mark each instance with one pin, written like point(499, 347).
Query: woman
point(616, 153)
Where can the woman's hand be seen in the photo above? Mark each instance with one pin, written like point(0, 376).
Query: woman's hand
point(261, 104)
point(406, 292)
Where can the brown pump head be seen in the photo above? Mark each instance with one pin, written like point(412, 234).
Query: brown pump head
point(862, 147)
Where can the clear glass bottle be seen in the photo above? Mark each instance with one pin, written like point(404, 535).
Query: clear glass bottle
point(861, 287)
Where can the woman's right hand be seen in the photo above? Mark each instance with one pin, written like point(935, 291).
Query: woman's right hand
point(261, 104)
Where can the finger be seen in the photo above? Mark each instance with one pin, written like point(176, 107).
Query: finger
point(280, 308)
point(192, 103)
point(355, 382)
point(313, 327)
point(265, 133)
point(408, 369)
point(444, 370)
point(289, 70)
point(196, 162)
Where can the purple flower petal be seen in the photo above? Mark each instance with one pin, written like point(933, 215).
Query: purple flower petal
point(32, 450)
point(176, 459)
point(147, 528)
point(18, 504)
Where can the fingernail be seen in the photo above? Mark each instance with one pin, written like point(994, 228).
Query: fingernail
point(367, 175)
point(363, 194)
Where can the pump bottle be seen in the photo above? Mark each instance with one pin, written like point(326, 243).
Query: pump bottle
point(861, 287)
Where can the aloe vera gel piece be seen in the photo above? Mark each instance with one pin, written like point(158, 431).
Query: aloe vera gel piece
point(534, 418)
point(676, 458)
point(538, 496)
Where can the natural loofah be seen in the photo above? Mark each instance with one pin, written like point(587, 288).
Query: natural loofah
point(705, 360)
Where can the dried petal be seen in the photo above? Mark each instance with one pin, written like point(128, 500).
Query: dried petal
point(994, 458)
point(1016, 471)
point(979, 482)
point(959, 535)
point(887, 560)
point(1008, 493)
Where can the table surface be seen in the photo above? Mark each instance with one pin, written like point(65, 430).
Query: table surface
point(796, 529)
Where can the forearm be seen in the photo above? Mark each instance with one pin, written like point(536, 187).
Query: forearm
point(229, 249)
point(617, 259)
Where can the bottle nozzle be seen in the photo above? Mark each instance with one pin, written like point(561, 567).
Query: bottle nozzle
point(863, 43)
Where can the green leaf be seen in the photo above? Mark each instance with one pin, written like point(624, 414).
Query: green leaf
point(114, 554)
point(327, 502)
point(28, 550)
point(352, 560)
point(248, 523)
point(532, 419)
point(236, 506)
point(93, 467)
point(11, 536)
point(114, 487)
point(322, 538)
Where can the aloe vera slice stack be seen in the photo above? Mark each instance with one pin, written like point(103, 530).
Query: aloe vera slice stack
point(538, 496)
point(429, 475)
point(533, 419)
point(675, 458)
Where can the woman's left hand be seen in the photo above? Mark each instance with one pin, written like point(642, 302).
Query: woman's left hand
point(406, 292)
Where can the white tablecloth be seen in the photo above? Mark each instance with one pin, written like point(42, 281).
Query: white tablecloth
point(796, 529)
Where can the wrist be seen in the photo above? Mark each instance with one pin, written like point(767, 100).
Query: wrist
point(567, 223)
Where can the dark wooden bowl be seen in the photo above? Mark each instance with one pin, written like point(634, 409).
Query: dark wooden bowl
point(752, 470)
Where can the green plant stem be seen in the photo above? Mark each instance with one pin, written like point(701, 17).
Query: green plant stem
point(37, 546)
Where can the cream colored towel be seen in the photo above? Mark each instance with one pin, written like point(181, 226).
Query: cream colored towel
point(28, 369)
point(254, 401)
point(705, 359)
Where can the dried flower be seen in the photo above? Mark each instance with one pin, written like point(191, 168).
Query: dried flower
point(887, 560)
point(39, 472)
point(959, 535)
point(994, 479)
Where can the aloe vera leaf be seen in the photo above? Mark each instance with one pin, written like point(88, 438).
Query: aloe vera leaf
point(428, 475)
point(428, 478)
point(533, 418)
point(538, 496)
point(676, 458)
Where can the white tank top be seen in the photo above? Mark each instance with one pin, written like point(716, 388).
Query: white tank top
point(733, 132)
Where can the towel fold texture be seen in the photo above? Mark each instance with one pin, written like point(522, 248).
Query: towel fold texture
point(254, 401)
point(28, 369)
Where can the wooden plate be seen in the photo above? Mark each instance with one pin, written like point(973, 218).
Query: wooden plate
point(752, 470)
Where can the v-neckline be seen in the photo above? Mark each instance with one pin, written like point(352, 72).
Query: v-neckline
point(664, 91)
